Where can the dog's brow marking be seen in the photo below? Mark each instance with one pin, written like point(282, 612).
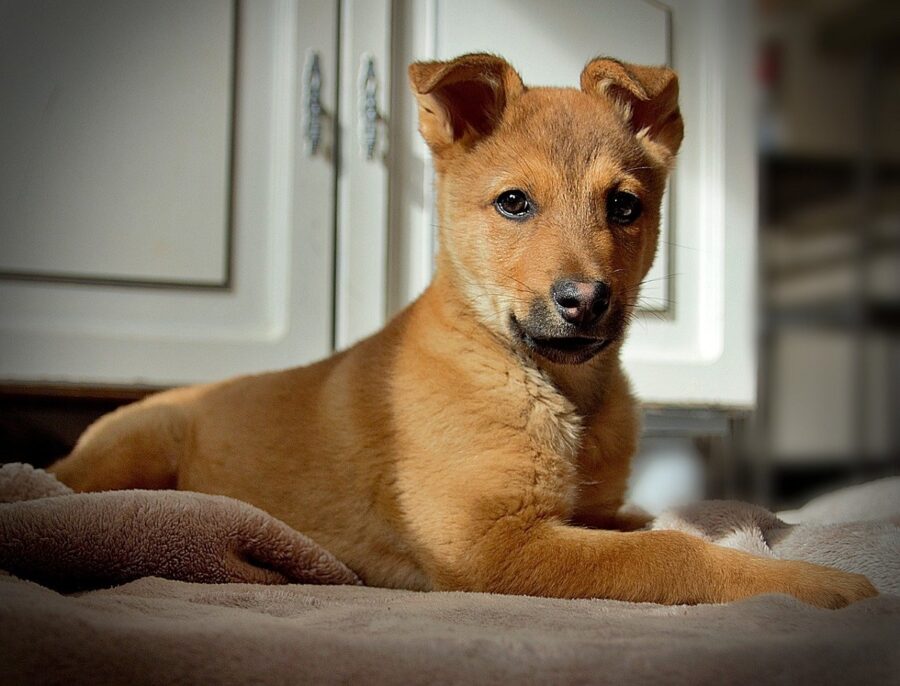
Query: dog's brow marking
point(632, 169)
point(601, 168)
point(526, 163)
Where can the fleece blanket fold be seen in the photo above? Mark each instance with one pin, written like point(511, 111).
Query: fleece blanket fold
point(73, 542)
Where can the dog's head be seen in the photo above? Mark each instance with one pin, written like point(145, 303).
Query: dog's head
point(549, 198)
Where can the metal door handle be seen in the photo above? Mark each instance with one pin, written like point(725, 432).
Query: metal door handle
point(313, 97)
point(369, 110)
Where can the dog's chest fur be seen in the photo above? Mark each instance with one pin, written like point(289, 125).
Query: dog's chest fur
point(552, 420)
point(557, 432)
point(582, 451)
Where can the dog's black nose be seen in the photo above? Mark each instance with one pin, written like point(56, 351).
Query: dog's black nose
point(580, 302)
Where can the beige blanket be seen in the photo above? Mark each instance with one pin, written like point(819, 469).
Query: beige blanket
point(164, 631)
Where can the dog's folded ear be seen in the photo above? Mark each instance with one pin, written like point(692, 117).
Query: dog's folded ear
point(462, 100)
point(647, 97)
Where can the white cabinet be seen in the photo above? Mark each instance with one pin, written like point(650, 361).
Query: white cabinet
point(203, 228)
point(319, 248)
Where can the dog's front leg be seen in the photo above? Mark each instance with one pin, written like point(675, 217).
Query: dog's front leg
point(550, 558)
point(492, 508)
point(507, 529)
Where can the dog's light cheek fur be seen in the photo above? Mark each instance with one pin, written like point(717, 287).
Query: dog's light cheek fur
point(488, 300)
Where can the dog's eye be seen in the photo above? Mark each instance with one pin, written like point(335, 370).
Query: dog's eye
point(623, 207)
point(513, 204)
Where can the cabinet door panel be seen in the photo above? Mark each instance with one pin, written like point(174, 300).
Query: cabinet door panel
point(550, 45)
point(362, 230)
point(117, 144)
point(278, 308)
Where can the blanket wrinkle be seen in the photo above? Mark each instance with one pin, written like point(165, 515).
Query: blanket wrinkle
point(79, 541)
point(877, 500)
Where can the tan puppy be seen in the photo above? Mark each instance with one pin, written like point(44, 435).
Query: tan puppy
point(482, 440)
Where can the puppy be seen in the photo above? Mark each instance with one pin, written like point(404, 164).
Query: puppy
point(481, 441)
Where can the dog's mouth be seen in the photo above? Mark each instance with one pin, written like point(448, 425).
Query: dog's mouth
point(559, 349)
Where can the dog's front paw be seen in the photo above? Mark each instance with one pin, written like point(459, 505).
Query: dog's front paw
point(821, 586)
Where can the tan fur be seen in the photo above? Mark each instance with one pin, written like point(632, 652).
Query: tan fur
point(441, 453)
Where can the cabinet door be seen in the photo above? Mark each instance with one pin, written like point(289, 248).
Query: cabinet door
point(165, 217)
point(116, 141)
point(362, 220)
point(693, 342)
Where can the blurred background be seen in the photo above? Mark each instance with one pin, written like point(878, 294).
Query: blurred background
point(195, 189)
point(829, 237)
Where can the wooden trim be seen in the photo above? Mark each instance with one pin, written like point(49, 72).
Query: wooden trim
point(76, 391)
point(130, 393)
